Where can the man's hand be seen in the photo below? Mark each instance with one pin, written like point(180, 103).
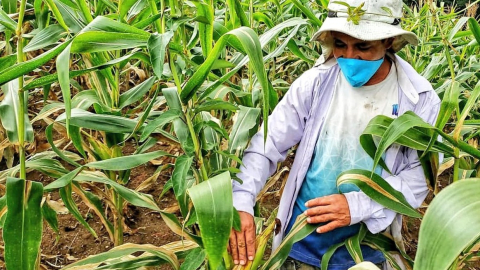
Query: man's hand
point(242, 244)
point(332, 209)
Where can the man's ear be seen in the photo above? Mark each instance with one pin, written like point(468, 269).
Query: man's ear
point(389, 42)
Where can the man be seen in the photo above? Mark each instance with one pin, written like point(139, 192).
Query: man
point(357, 78)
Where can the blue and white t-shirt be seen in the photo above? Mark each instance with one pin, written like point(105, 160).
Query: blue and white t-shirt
point(338, 149)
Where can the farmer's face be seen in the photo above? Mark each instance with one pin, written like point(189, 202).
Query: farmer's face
point(349, 47)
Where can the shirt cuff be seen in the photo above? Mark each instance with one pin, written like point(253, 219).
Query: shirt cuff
point(243, 201)
point(362, 207)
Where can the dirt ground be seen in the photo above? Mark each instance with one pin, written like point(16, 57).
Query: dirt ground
point(144, 226)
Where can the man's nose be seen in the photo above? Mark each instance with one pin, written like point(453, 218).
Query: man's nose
point(351, 53)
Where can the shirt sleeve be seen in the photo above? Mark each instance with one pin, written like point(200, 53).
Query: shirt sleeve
point(410, 181)
point(285, 129)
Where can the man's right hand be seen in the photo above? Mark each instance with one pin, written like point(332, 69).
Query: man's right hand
point(242, 243)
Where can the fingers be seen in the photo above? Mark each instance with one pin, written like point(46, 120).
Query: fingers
point(329, 227)
point(322, 218)
point(232, 248)
point(326, 200)
point(250, 238)
point(242, 243)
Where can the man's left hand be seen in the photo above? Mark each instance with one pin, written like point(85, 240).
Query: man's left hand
point(332, 210)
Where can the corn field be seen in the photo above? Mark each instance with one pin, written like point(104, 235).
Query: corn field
point(92, 90)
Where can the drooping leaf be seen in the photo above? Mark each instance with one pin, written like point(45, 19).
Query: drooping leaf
point(136, 93)
point(66, 195)
point(446, 231)
point(179, 181)
point(134, 197)
point(45, 38)
point(242, 128)
point(23, 68)
point(378, 189)
point(215, 104)
point(125, 162)
point(99, 41)
point(299, 230)
point(159, 121)
point(213, 204)
point(101, 122)
point(353, 244)
point(5, 20)
point(475, 28)
point(194, 259)
point(124, 250)
point(22, 231)
point(157, 46)
point(9, 113)
point(50, 216)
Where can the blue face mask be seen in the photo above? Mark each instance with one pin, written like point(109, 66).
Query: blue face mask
point(358, 72)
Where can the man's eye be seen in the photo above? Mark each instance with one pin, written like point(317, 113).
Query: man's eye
point(339, 45)
point(363, 48)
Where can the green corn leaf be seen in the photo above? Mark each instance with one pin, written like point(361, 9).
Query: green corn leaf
point(213, 203)
point(180, 183)
point(458, 26)
point(328, 255)
point(386, 244)
point(475, 28)
point(71, 15)
point(28, 66)
point(299, 230)
point(446, 231)
point(7, 61)
point(101, 122)
point(266, 38)
point(58, 15)
point(414, 138)
point(134, 197)
point(157, 46)
point(49, 136)
point(9, 6)
point(448, 105)
point(45, 38)
point(22, 231)
point(308, 12)
point(261, 17)
point(205, 27)
point(9, 113)
point(63, 68)
point(353, 244)
point(159, 121)
point(215, 104)
point(124, 7)
point(398, 127)
point(136, 93)
point(379, 190)
point(242, 129)
point(129, 263)
point(144, 23)
point(96, 204)
point(194, 259)
point(66, 195)
point(124, 250)
point(172, 222)
point(126, 162)
point(5, 20)
point(49, 79)
point(251, 45)
point(105, 24)
point(51, 217)
point(99, 41)
point(3, 210)
point(181, 129)
point(293, 47)
point(63, 181)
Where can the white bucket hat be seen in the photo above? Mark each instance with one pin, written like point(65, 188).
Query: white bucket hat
point(375, 20)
